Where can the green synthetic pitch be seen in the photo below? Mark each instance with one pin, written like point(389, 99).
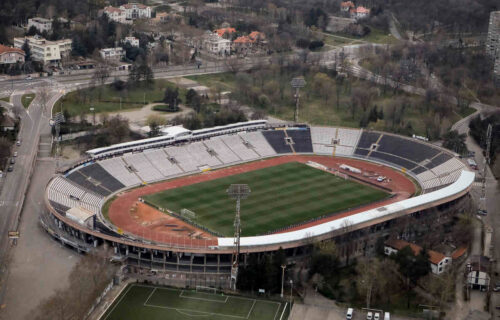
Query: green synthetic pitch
point(155, 303)
point(280, 196)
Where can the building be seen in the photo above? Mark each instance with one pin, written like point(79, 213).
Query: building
point(438, 261)
point(346, 6)
point(257, 36)
point(116, 53)
point(7, 123)
point(45, 51)
point(242, 44)
point(493, 38)
point(136, 11)
point(359, 12)
point(116, 14)
point(10, 55)
point(133, 41)
point(225, 31)
point(41, 24)
point(476, 272)
point(493, 44)
point(215, 44)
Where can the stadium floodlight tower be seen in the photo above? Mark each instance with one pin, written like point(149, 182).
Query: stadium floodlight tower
point(237, 192)
point(297, 83)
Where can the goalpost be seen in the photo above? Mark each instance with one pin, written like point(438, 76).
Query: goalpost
point(188, 214)
point(205, 289)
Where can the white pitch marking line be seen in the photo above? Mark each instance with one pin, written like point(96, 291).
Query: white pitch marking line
point(190, 310)
point(202, 299)
point(118, 302)
point(253, 304)
point(149, 297)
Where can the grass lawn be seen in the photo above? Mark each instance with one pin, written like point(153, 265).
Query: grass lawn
point(159, 303)
point(107, 99)
point(6, 99)
point(280, 196)
point(26, 99)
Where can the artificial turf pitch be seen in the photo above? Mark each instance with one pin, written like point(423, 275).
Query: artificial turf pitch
point(280, 196)
point(139, 302)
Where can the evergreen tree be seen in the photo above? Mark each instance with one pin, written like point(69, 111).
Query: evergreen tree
point(27, 51)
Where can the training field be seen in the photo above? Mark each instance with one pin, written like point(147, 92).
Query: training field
point(155, 303)
point(281, 196)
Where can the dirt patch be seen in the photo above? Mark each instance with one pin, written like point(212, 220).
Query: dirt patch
point(146, 222)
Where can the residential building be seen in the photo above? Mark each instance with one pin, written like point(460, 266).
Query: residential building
point(116, 53)
point(493, 38)
point(257, 36)
point(7, 123)
point(346, 6)
point(133, 41)
point(242, 44)
point(225, 32)
point(45, 51)
point(476, 272)
point(116, 14)
point(136, 11)
point(215, 44)
point(10, 55)
point(360, 12)
point(438, 261)
point(41, 24)
point(493, 44)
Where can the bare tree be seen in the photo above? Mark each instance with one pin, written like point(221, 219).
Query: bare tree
point(43, 93)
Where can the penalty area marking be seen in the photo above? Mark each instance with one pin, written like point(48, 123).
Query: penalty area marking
point(202, 299)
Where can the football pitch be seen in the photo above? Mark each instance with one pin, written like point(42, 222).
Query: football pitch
point(155, 303)
point(280, 196)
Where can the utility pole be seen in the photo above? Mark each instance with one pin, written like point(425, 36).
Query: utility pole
point(237, 192)
point(297, 83)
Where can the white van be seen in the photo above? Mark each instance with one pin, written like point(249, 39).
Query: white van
point(387, 316)
point(350, 313)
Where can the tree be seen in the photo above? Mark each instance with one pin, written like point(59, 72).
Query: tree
point(27, 51)
point(155, 122)
point(171, 97)
point(456, 142)
point(117, 128)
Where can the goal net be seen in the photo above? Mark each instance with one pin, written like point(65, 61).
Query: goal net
point(205, 289)
point(188, 214)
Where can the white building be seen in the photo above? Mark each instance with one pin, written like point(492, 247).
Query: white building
point(112, 53)
point(215, 44)
point(41, 24)
point(438, 261)
point(116, 14)
point(477, 272)
point(9, 55)
point(136, 11)
point(44, 50)
point(133, 41)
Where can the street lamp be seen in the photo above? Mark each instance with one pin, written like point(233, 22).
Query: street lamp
point(291, 289)
point(283, 266)
point(93, 114)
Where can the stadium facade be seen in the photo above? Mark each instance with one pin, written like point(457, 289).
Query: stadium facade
point(75, 199)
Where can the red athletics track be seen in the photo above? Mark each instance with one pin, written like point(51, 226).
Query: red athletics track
point(148, 223)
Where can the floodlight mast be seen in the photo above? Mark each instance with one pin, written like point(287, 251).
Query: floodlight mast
point(297, 83)
point(237, 192)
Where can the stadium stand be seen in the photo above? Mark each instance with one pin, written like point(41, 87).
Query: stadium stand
point(184, 159)
point(301, 138)
point(338, 141)
point(118, 169)
point(235, 143)
point(145, 170)
point(438, 159)
point(400, 146)
point(97, 173)
point(367, 139)
point(259, 143)
point(159, 160)
point(65, 193)
point(276, 139)
point(200, 154)
point(403, 163)
point(221, 150)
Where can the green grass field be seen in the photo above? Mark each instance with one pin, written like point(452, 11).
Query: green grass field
point(280, 196)
point(27, 99)
point(159, 303)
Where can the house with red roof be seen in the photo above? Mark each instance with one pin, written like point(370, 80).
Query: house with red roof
point(345, 6)
point(9, 55)
point(225, 31)
point(438, 261)
point(359, 12)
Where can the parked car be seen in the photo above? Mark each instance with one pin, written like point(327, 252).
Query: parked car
point(15, 154)
point(482, 212)
point(350, 313)
point(369, 316)
point(29, 78)
point(18, 143)
point(1, 173)
point(10, 168)
point(496, 288)
point(12, 160)
point(376, 316)
point(387, 316)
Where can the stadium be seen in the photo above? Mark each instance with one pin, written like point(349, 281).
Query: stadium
point(161, 203)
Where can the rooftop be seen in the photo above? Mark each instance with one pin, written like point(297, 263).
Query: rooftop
point(5, 49)
point(434, 256)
